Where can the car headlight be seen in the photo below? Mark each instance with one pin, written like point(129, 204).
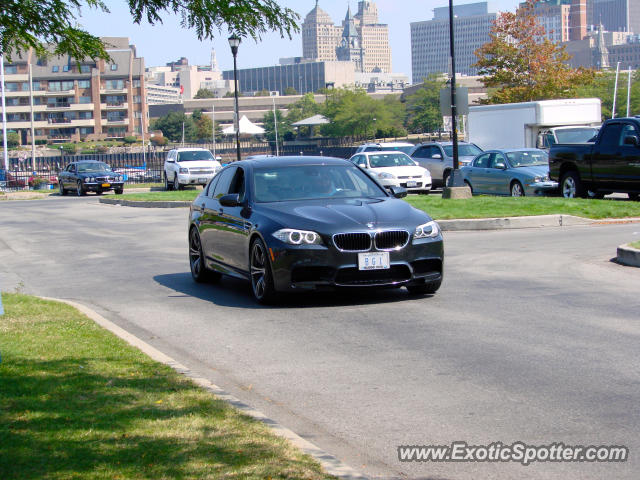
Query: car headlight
point(184, 170)
point(427, 230)
point(386, 175)
point(89, 180)
point(118, 179)
point(541, 179)
point(298, 237)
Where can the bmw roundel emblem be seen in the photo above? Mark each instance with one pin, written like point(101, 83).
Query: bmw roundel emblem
point(369, 225)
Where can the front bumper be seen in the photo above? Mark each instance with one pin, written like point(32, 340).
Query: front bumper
point(102, 186)
point(421, 184)
point(297, 268)
point(195, 178)
point(541, 188)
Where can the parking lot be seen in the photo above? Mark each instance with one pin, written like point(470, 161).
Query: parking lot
point(533, 336)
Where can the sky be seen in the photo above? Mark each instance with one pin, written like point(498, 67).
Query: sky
point(169, 41)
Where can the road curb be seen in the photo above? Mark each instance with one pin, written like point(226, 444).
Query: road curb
point(331, 464)
point(627, 255)
point(134, 203)
point(534, 221)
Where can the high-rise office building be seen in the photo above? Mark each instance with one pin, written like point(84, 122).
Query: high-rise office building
point(430, 51)
point(322, 40)
point(73, 101)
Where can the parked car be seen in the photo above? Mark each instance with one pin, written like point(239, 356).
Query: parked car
point(395, 169)
point(189, 166)
point(10, 180)
point(403, 147)
point(304, 223)
point(516, 172)
point(437, 157)
point(89, 176)
point(609, 164)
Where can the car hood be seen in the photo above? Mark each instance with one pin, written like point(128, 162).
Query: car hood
point(340, 215)
point(408, 171)
point(199, 164)
point(533, 171)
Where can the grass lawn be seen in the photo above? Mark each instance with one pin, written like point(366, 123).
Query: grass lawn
point(485, 206)
point(143, 185)
point(476, 207)
point(76, 402)
point(635, 245)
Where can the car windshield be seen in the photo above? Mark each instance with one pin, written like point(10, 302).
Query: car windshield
point(576, 135)
point(390, 160)
point(93, 167)
point(378, 148)
point(195, 155)
point(464, 150)
point(306, 182)
point(527, 158)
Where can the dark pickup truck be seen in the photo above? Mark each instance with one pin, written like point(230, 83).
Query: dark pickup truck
point(595, 169)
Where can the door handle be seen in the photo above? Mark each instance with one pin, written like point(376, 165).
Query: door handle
point(202, 207)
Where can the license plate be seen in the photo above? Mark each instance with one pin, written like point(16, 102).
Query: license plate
point(202, 180)
point(106, 185)
point(411, 183)
point(373, 260)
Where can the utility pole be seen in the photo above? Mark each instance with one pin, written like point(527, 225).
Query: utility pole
point(4, 117)
point(33, 133)
point(213, 128)
point(275, 124)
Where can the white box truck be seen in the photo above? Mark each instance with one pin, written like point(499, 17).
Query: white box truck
point(534, 124)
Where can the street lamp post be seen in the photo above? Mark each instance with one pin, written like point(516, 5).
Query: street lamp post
point(234, 43)
point(455, 179)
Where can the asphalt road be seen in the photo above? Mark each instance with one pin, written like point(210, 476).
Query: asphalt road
point(534, 336)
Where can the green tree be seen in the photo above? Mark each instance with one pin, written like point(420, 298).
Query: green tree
point(13, 139)
point(263, 93)
point(354, 113)
point(290, 91)
point(171, 127)
point(284, 127)
point(34, 24)
point(521, 65)
point(602, 87)
point(423, 107)
point(204, 93)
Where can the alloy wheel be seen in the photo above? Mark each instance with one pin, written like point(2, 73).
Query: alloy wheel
point(79, 190)
point(195, 254)
point(516, 190)
point(569, 187)
point(62, 190)
point(258, 270)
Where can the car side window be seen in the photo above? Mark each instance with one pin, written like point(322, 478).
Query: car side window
point(611, 135)
point(482, 161)
point(362, 161)
point(238, 184)
point(211, 186)
point(497, 161)
point(628, 131)
point(224, 182)
point(422, 152)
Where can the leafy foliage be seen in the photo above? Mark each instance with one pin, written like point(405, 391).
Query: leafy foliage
point(33, 24)
point(423, 107)
point(171, 127)
point(204, 93)
point(290, 91)
point(522, 65)
point(284, 127)
point(13, 139)
point(602, 87)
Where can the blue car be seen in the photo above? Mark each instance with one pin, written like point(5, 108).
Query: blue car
point(516, 172)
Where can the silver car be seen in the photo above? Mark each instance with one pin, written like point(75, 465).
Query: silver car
point(437, 157)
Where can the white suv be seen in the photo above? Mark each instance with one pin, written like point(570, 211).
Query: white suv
point(404, 147)
point(189, 166)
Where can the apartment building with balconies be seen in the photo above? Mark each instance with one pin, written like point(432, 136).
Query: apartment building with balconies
point(74, 101)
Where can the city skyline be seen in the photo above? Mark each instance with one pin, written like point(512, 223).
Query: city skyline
point(164, 43)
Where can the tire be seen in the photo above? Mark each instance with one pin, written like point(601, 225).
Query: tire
point(166, 182)
point(445, 178)
point(63, 192)
point(516, 189)
point(79, 189)
point(199, 272)
point(176, 183)
point(570, 185)
point(425, 288)
point(98, 192)
point(469, 185)
point(634, 196)
point(260, 272)
point(118, 191)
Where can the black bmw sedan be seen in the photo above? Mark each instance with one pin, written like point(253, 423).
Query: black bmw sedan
point(89, 176)
point(303, 223)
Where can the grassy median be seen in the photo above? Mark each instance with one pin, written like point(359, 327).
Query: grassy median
point(76, 402)
point(635, 245)
point(476, 207)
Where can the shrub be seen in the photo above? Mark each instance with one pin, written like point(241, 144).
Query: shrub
point(129, 140)
point(13, 139)
point(159, 141)
point(87, 151)
point(41, 141)
point(69, 148)
point(102, 149)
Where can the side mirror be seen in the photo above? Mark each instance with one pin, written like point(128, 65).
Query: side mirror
point(437, 156)
point(170, 160)
point(397, 192)
point(230, 200)
point(501, 166)
point(631, 140)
